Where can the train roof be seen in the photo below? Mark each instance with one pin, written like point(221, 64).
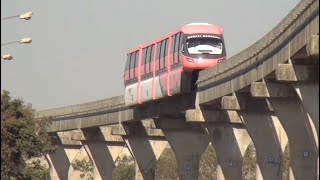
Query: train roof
point(192, 28)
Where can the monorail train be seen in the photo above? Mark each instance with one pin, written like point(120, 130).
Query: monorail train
point(170, 65)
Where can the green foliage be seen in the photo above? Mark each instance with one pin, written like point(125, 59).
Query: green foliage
point(249, 163)
point(125, 169)
point(21, 137)
point(167, 166)
point(208, 165)
point(84, 167)
point(36, 171)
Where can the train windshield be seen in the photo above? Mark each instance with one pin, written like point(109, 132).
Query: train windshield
point(204, 46)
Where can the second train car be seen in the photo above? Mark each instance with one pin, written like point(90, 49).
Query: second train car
point(170, 65)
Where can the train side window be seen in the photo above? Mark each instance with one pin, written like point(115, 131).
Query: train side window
point(164, 53)
point(158, 54)
point(128, 62)
point(159, 50)
point(151, 57)
point(166, 45)
point(131, 60)
point(173, 38)
point(146, 60)
point(161, 54)
point(144, 56)
point(178, 44)
point(131, 64)
point(136, 57)
point(173, 47)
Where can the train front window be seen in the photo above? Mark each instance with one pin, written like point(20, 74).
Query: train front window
point(204, 46)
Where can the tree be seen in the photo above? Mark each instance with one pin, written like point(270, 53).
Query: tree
point(249, 163)
point(167, 168)
point(22, 138)
point(208, 165)
point(125, 169)
point(35, 170)
point(84, 167)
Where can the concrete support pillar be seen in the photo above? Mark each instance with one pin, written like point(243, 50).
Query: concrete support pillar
point(308, 93)
point(303, 150)
point(262, 130)
point(305, 81)
point(230, 144)
point(188, 144)
point(60, 161)
point(146, 153)
point(103, 156)
point(145, 147)
point(103, 148)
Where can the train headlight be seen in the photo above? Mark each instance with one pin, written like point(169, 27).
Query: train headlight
point(219, 61)
point(190, 60)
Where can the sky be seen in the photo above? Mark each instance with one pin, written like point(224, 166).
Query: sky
point(79, 47)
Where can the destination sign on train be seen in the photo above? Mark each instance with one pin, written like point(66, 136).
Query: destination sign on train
point(203, 36)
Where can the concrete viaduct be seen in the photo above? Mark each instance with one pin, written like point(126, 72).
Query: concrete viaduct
point(267, 95)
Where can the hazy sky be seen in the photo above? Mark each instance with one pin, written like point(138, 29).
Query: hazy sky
point(79, 47)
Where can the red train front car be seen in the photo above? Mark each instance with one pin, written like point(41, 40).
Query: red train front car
point(202, 46)
point(170, 65)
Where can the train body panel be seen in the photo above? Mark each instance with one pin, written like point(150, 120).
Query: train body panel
point(130, 95)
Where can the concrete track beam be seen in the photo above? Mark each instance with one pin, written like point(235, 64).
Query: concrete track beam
point(310, 51)
point(264, 90)
point(198, 115)
point(239, 103)
point(100, 134)
point(174, 124)
point(65, 137)
point(295, 73)
point(119, 130)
